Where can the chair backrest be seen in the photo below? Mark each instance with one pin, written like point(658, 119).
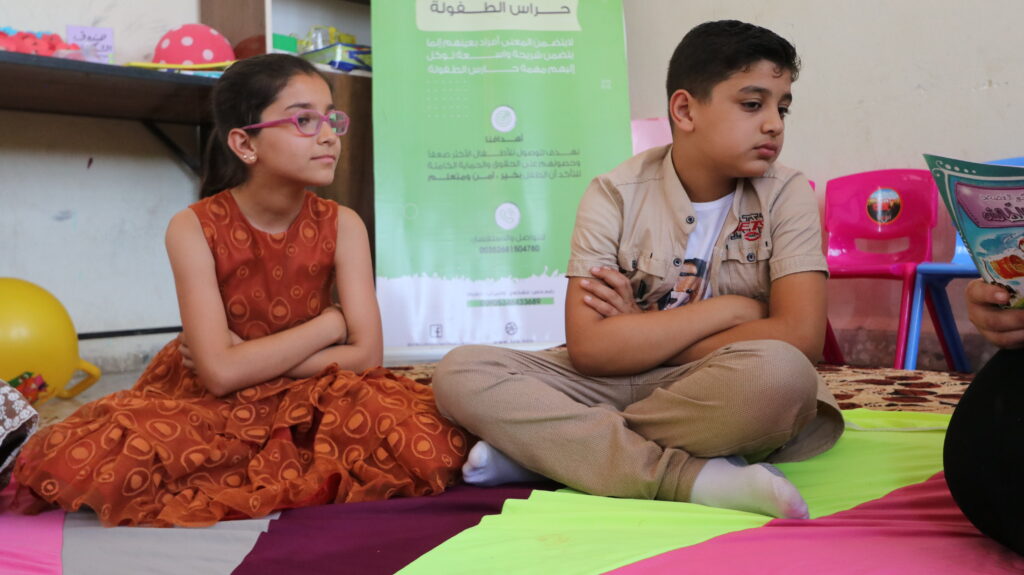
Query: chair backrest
point(961, 255)
point(1019, 161)
point(650, 132)
point(894, 206)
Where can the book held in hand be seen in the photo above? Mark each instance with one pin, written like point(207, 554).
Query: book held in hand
point(986, 203)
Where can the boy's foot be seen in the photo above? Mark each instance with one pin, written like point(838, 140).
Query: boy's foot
point(488, 466)
point(730, 483)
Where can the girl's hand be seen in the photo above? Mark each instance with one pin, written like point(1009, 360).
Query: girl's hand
point(334, 313)
point(609, 293)
point(186, 354)
point(1002, 327)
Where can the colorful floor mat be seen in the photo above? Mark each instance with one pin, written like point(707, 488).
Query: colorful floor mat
point(881, 452)
point(878, 501)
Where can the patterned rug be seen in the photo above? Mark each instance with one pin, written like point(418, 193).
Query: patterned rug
point(874, 388)
point(877, 388)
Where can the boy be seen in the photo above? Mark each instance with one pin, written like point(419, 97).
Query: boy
point(673, 403)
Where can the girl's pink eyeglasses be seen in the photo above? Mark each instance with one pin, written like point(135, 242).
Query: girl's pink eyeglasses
point(308, 122)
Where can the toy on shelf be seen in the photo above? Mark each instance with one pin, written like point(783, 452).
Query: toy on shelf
point(326, 45)
point(193, 44)
point(194, 49)
point(38, 43)
point(37, 336)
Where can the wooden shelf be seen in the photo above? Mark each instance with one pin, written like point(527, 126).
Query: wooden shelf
point(57, 86)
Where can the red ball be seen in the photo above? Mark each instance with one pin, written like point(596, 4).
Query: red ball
point(193, 44)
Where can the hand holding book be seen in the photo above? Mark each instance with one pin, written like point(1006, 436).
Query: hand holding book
point(1002, 327)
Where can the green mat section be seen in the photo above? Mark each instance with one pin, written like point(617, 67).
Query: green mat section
point(569, 532)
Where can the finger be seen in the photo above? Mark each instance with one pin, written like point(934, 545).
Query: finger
point(186, 357)
point(1002, 320)
point(600, 306)
point(600, 290)
point(618, 284)
point(1006, 339)
point(979, 291)
point(617, 281)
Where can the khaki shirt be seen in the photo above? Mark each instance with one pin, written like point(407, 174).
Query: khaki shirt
point(638, 218)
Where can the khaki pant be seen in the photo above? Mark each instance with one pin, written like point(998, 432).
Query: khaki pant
point(644, 436)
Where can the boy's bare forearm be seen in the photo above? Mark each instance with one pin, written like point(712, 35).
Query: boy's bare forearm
point(796, 315)
point(634, 343)
point(803, 336)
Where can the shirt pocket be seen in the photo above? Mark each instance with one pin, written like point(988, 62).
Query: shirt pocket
point(646, 272)
point(745, 268)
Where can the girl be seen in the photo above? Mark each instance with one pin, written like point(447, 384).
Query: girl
point(256, 407)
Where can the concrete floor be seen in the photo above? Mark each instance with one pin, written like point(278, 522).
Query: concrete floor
point(56, 408)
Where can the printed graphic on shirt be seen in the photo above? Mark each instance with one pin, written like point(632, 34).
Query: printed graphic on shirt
point(749, 227)
point(689, 286)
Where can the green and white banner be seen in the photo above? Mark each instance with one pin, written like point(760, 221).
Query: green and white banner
point(490, 119)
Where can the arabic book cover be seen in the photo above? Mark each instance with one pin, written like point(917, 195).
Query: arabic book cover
point(986, 204)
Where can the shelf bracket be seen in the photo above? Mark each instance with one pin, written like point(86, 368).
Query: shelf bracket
point(193, 163)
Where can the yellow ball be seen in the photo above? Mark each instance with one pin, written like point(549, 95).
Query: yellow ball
point(37, 335)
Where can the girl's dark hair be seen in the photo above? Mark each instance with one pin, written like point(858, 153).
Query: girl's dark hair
point(713, 51)
point(246, 89)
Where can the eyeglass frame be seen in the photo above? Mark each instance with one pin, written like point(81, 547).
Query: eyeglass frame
point(294, 120)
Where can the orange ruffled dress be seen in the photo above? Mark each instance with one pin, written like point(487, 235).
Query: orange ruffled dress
point(167, 452)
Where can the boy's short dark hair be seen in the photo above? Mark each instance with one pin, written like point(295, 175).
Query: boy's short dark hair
point(713, 51)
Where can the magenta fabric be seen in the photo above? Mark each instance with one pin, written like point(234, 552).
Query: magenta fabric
point(29, 544)
point(375, 536)
point(915, 530)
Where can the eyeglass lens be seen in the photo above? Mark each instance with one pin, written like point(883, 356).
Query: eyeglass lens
point(309, 122)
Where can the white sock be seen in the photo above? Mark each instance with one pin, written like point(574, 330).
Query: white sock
point(488, 466)
point(730, 483)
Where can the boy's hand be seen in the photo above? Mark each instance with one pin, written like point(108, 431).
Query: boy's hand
point(747, 309)
point(611, 294)
point(1002, 327)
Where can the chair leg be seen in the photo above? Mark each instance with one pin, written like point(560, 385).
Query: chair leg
point(933, 312)
point(904, 324)
point(832, 353)
point(914, 326)
point(945, 328)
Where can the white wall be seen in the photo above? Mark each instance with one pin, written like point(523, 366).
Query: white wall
point(84, 202)
point(137, 25)
point(882, 83)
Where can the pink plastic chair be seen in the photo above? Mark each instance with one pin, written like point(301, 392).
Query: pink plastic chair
point(831, 353)
point(650, 132)
point(887, 208)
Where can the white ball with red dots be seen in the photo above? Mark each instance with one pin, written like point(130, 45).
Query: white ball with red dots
point(193, 44)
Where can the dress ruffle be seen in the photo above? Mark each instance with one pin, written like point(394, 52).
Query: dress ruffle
point(167, 452)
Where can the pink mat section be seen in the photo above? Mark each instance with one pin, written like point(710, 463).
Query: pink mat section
point(29, 545)
point(915, 530)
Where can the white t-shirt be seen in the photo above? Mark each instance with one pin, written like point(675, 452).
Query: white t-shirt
point(692, 284)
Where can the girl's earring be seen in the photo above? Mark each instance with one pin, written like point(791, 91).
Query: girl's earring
point(250, 158)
